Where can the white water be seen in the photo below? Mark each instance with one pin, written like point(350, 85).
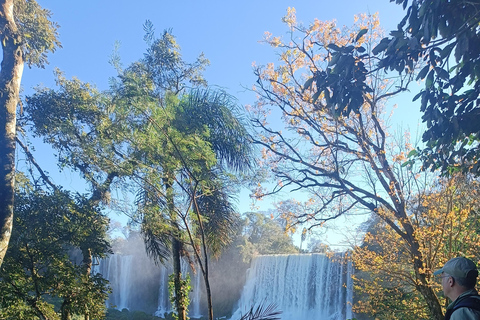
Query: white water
point(307, 286)
point(310, 286)
point(134, 279)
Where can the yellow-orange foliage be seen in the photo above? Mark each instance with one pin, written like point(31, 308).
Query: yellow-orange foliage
point(446, 226)
point(346, 164)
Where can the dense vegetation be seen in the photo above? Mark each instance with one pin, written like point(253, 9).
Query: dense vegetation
point(182, 149)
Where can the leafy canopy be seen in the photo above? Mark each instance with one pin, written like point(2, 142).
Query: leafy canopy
point(443, 38)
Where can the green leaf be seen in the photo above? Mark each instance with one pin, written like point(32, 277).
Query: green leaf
point(447, 50)
point(442, 73)
point(380, 47)
point(407, 163)
point(462, 47)
point(360, 34)
point(429, 80)
point(308, 84)
point(333, 47)
point(423, 73)
point(412, 153)
point(335, 58)
point(361, 49)
point(418, 95)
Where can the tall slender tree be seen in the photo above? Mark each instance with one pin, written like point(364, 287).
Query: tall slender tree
point(26, 35)
point(201, 141)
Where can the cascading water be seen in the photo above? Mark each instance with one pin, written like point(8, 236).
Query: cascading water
point(138, 284)
point(306, 286)
point(117, 269)
point(311, 286)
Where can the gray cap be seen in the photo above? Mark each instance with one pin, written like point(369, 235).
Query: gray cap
point(459, 268)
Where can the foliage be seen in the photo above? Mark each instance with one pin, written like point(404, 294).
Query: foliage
point(38, 33)
point(264, 235)
point(39, 266)
point(82, 134)
point(446, 221)
point(346, 164)
point(125, 314)
point(164, 63)
point(178, 148)
point(444, 36)
point(184, 291)
point(26, 35)
point(262, 312)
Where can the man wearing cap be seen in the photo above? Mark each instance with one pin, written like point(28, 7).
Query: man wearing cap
point(459, 276)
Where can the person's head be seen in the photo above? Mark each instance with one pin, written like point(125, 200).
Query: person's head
point(458, 275)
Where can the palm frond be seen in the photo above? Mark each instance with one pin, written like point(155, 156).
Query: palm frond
point(262, 312)
point(229, 138)
point(157, 244)
point(221, 218)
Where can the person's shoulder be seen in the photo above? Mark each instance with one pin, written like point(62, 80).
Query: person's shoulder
point(465, 314)
point(467, 309)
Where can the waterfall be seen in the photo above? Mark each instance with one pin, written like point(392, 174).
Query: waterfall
point(138, 284)
point(117, 269)
point(307, 286)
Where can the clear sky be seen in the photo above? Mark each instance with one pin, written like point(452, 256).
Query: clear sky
point(227, 32)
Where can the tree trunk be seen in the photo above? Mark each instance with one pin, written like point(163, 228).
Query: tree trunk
point(65, 314)
point(423, 287)
point(426, 290)
point(432, 301)
point(10, 77)
point(209, 292)
point(205, 257)
point(176, 252)
point(87, 265)
point(177, 271)
point(87, 261)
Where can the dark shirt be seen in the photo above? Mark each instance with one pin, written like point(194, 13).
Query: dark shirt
point(465, 313)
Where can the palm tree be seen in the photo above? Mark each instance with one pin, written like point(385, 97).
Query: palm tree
point(203, 141)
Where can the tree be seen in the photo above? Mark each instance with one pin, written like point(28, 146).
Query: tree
point(82, 135)
point(264, 235)
point(178, 148)
point(346, 163)
point(40, 268)
point(445, 36)
point(446, 220)
point(27, 35)
point(201, 141)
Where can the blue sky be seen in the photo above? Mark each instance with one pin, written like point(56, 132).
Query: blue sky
point(227, 32)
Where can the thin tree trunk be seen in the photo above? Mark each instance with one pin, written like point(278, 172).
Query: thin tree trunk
point(65, 313)
point(177, 271)
point(99, 194)
point(203, 267)
point(205, 257)
point(10, 77)
point(176, 250)
point(87, 264)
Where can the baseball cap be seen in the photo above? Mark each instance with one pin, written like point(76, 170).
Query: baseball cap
point(458, 268)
